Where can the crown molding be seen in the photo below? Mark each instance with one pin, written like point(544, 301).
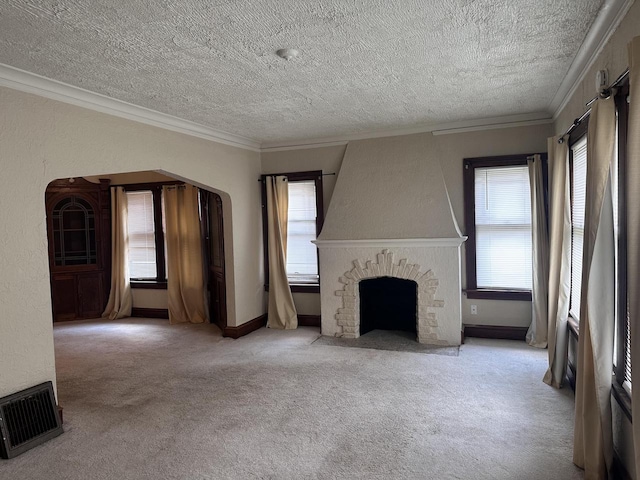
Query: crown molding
point(488, 123)
point(301, 145)
point(28, 82)
point(392, 242)
point(494, 126)
point(609, 17)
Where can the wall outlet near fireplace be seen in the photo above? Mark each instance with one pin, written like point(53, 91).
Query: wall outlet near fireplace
point(474, 309)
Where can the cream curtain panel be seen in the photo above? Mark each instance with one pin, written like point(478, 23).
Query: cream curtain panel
point(185, 278)
point(120, 299)
point(282, 311)
point(559, 259)
point(593, 442)
point(633, 234)
point(537, 333)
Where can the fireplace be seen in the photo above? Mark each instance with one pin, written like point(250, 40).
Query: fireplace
point(390, 216)
point(437, 301)
point(388, 303)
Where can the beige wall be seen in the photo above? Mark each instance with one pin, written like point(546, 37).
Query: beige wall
point(450, 150)
point(149, 298)
point(390, 188)
point(130, 177)
point(614, 58)
point(454, 148)
point(41, 140)
point(328, 159)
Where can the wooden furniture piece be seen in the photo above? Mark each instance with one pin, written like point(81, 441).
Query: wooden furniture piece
point(213, 238)
point(79, 234)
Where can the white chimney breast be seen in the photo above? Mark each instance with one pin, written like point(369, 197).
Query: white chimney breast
point(390, 188)
point(390, 215)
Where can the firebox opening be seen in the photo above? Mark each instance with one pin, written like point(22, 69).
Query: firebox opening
point(388, 303)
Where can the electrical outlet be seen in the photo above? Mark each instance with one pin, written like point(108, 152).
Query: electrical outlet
point(474, 309)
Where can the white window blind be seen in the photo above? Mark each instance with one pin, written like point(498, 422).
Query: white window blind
point(503, 228)
point(627, 355)
point(578, 196)
point(142, 245)
point(302, 259)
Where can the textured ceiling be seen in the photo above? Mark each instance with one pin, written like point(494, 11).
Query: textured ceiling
point(364, 65)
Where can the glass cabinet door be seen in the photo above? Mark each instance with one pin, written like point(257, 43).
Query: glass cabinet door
point(74, 232)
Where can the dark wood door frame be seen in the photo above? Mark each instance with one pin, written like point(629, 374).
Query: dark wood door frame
point(213, 241)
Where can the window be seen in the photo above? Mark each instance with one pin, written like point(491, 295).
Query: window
point(578, 162)
point(622, 351)
point(74, 232)
point(303, 225)
point(498, 224)
point(302, 257)
point(142, 243)
point(145, 221)
point(503, 228)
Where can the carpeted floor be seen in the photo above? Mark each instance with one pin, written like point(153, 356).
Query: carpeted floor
point(396, 341)
point(144, 399)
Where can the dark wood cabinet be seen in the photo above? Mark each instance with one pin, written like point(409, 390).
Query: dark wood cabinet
point(79, 235)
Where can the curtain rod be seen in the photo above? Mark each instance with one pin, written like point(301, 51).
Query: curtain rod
point(279, 174)
point(606, 93)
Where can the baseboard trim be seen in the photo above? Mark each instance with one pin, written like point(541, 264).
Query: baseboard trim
point(245, 328)
point(309, 320)
point(150, 312)
point(496, 331)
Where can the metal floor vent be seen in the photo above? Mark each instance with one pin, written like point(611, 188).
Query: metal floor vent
point(27, 419)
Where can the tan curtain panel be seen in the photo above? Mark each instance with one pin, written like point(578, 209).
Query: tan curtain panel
point(593, 442)
point(185, 279)
point(282, 311)
point(559, 259)
point(537, 333)
point(120, 299)
point(633, 234)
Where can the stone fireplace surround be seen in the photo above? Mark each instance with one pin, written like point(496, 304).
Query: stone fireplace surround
point(434, 264)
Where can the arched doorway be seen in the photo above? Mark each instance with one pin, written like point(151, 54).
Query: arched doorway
point(79, 235)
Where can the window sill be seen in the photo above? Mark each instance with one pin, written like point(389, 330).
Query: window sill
point(149, 284)
point(301, 288)
point(499, 294)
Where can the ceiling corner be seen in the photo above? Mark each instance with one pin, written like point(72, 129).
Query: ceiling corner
point(28, 82)
point(609, 17)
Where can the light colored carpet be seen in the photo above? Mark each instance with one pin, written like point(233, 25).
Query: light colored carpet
point(144, 399)
point(396, 341)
